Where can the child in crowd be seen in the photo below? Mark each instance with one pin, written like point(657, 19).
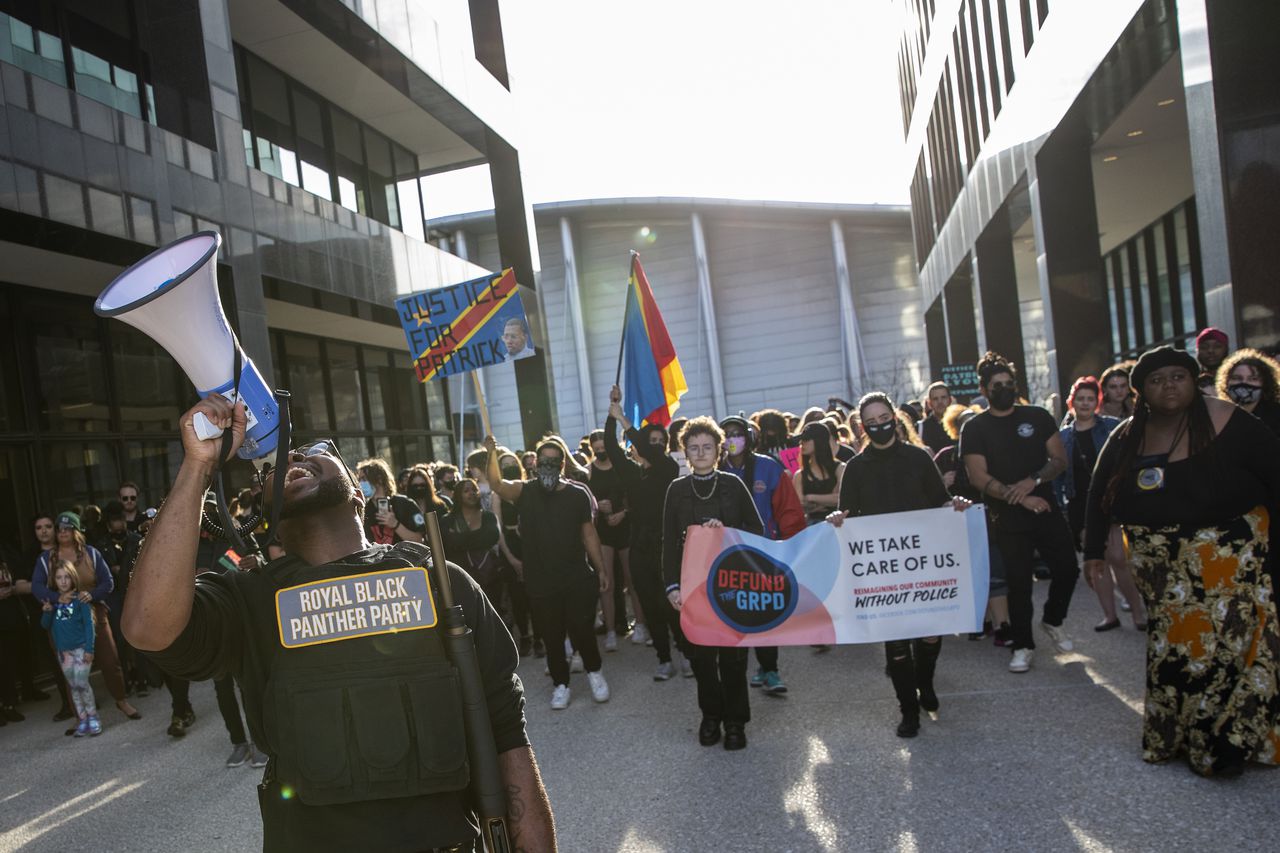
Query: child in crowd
point(70, 621)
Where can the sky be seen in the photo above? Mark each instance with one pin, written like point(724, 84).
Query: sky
point(744, 100)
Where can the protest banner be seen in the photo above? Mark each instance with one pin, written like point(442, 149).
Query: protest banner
point(466, 326)
point(875, 578)
point(962, 381)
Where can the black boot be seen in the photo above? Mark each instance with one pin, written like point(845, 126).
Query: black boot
point(735, 736)
point(901, 672)
point(709, 731)
point(925, 656)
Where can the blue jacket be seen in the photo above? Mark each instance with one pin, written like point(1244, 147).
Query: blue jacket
point(1065, 486)
point(71, 625)
point(103, 583)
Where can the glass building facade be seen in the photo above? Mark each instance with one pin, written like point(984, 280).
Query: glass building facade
point(1089, 167)
point(299, 134)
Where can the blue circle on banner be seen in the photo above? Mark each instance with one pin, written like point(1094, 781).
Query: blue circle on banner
point(751, 591)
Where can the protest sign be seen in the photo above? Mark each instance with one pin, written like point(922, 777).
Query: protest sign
point(465, 326)
point(790, 458)
point(962, 381)
point(876, 578)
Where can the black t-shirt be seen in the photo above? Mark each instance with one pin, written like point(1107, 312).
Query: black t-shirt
point(844, 453)
point(1239, 470)
point(1015, 448)
point(551, 536)
point(233, 631)
point(1084, 455)
point(406, 512)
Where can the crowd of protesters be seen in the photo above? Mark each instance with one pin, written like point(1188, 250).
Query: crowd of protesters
point(1160, 475)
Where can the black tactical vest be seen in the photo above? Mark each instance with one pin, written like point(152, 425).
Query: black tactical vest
point(369, 717)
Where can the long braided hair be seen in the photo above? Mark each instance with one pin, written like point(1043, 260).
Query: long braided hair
point(1200, 434)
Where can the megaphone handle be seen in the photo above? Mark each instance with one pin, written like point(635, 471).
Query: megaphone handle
point(204, 427)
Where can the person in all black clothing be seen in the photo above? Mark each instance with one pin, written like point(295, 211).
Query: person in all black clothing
point(613, 525)
point(560, 549)
point(932, 433)
point(891, 475)
point(470, 536)
point(645, 480)
point(511, 548)
point(713, 499)
point(1012, 454)
point(363, 727)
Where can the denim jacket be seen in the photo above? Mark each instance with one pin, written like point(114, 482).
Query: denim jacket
point(1065, 487)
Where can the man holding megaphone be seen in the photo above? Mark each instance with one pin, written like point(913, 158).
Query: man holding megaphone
point(340, 655)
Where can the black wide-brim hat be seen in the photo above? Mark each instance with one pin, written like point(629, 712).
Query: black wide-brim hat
point(1154, 359)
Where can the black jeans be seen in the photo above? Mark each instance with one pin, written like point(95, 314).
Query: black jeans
point(1049, 534)
point(661, 618)
point(570, 612)
point(519, 598)
point(722, 682)
point(767, 657)
point(229, 708)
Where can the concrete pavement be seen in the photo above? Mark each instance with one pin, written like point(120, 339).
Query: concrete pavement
point(1045, 761)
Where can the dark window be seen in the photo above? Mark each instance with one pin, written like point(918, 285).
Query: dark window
point(141, 57)
point(71, 375)
point(992, 62)
point(979, 72)
point(305, 380)
point(152, 389)
point(346, 380)
point(78, 473)
point(1042, 9)
point(1006, 46)
point(1028, 28)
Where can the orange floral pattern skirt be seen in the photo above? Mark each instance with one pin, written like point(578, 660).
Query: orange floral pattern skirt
point(1213, 645)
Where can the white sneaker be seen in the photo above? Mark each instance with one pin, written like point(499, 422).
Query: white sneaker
point(575, 663)
point(1021, 660)
point(639, 635)
point(611, 641)
point(664, 672)
point(599, 687)
point(1059, 637)
point(686, 668)
point(560, 697)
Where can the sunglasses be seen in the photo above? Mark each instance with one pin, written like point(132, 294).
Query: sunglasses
point(128, 499)
point(323, 447)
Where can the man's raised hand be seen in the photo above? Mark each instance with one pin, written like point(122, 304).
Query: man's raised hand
point(221, 414)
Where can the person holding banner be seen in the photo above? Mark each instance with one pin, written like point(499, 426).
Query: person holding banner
point(1012, 453)
point(892, 475)
point(779, 509)
point(1190, 478)
point(710, 498)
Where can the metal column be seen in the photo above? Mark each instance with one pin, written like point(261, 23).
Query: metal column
point(855, 359)
point(576, 328)
point(708, 317)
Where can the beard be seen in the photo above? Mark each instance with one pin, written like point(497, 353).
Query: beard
point(330, 493)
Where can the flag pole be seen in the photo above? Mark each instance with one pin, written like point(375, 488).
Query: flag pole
point(626, 315)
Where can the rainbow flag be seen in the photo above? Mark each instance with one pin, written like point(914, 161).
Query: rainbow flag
point(652, 379)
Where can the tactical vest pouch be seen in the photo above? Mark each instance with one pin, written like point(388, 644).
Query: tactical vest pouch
point(349, 733)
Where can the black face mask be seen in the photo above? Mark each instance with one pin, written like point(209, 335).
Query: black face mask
point(881, 433)
point(418, 490)
point(511, 472)
point(1003, 397)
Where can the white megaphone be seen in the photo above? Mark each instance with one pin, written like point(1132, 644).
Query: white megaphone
point(171, 295)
